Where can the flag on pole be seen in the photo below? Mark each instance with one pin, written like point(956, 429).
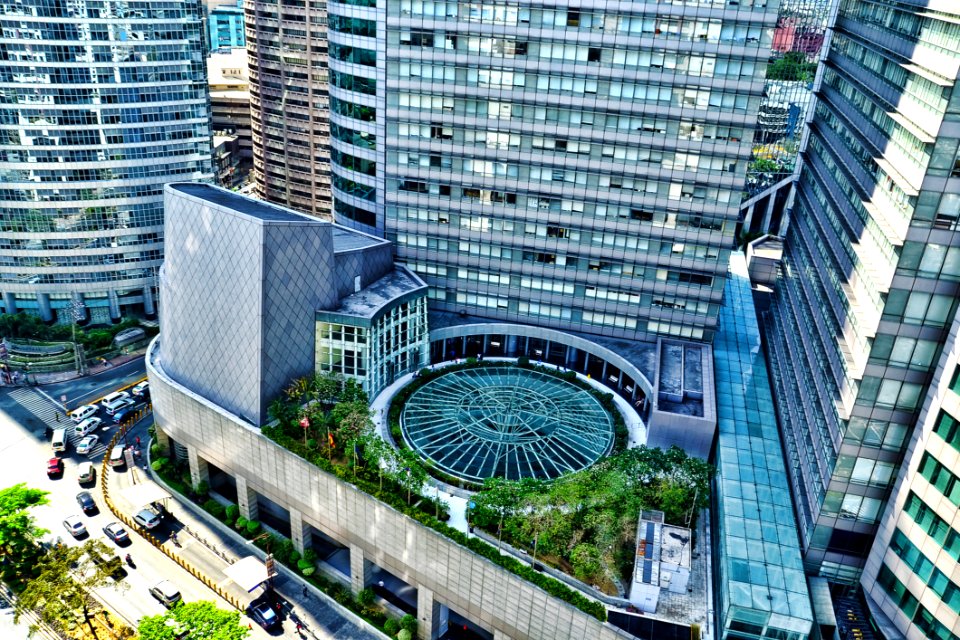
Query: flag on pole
point(330, 439)
point(305, 422)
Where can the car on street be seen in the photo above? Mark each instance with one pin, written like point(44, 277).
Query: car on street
point(166, 593)
point(86, 472)
point(86, 446)
point(74, 525)
point(146, 519)
point(111, 564)
point(125, 413)
point(263, 614)
point(86, 502)
point(83, 412)
point(119, 405)
point(54, 468)
point(141, 390)
point(117, 533)
point(87, 427)
point(116, 456)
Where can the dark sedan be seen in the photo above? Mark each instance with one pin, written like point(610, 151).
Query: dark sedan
point(86, 502)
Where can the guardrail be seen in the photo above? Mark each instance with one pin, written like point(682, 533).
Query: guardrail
point(176, 557)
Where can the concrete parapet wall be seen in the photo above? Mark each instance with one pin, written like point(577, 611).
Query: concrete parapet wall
point(494, 598)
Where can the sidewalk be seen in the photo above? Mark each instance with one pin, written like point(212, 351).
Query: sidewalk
point(210, 546)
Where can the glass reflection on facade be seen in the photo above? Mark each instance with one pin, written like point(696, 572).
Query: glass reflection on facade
point(101, 103)
point(798, 40)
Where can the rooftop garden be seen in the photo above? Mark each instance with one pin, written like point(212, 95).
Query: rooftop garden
point(583, 523)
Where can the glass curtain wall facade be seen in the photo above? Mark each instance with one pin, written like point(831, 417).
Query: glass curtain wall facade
point(869, 280)
point(287, 48)
point(798, 41)
point(911, 573)
point(580, 168)
point(225, 27)
point(100, 104)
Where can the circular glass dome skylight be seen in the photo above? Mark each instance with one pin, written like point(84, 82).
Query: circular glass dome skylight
point(506, 422)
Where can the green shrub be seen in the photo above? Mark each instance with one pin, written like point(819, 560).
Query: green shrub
point(202, 488)
point(294, 558)
point(366, 597)
point(240, 524)
point(310, 556)
point(282, 548)
point(232, 512)
point(160, 465)
point(215, 509)
point(306, 567)
point(409, 623)
point(253, 527)
point(523, 361)
point(404, 634)
point(391, 626)
point(155, 451)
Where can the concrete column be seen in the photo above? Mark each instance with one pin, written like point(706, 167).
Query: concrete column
point(114, 301)
point(429, 614)
point(511, 345)
point(571, 357)
point(149, 309)
point(43, 305)
point(361, 570)
point(247, 500)
point(604, 374)
point(299, 532)
point(748, 218)
point(163, 440)
point(199, 471)
point(768, 213)
point(9, 302)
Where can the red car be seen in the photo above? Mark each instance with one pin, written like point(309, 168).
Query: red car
point(54, 467)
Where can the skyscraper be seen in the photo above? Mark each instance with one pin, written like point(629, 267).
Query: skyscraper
point(869, 282)
point(576, 168)
point(910, 575)
point(288, 103)
point(100, 105)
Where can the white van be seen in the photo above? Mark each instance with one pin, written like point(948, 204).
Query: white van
point(116, 456)
point(113, 397)
point(60, 440)
point(83, 412)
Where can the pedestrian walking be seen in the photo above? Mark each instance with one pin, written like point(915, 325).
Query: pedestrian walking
point(306, 593)
point(138, 441)
point(56, 414)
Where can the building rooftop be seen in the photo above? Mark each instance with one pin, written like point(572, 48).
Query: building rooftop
point(376, 295)
point(227, 68)
point(760, 572)
point(345, 239)
point(248, 206)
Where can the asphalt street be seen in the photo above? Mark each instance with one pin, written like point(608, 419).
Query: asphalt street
point(83, 390)
point(26, 414)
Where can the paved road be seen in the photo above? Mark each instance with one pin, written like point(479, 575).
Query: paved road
point(23, 452)
point(83, 390)
point(24, 417)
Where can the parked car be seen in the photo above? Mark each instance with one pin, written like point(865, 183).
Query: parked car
point(54, 468)
point(166, 593)
point(146, 518)
point(87, 503)
point(117, 533)
point(263, 614)
point(86, 446)
point(75, 526)
point(86, 472)
point(83, 412)
point(87, 427)
point(142, 389)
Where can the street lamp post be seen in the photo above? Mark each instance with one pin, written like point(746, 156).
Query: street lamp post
point(268, 561)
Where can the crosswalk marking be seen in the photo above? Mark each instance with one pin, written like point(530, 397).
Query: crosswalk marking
point(41, 409)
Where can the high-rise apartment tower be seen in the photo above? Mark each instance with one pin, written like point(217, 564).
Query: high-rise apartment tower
point(101, 104)
point(869, 282)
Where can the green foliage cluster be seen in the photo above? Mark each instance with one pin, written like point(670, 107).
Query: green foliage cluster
point(201, 620)
point(589, 518)
point(29, 326)
point(793, 66)
point(19, 533)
